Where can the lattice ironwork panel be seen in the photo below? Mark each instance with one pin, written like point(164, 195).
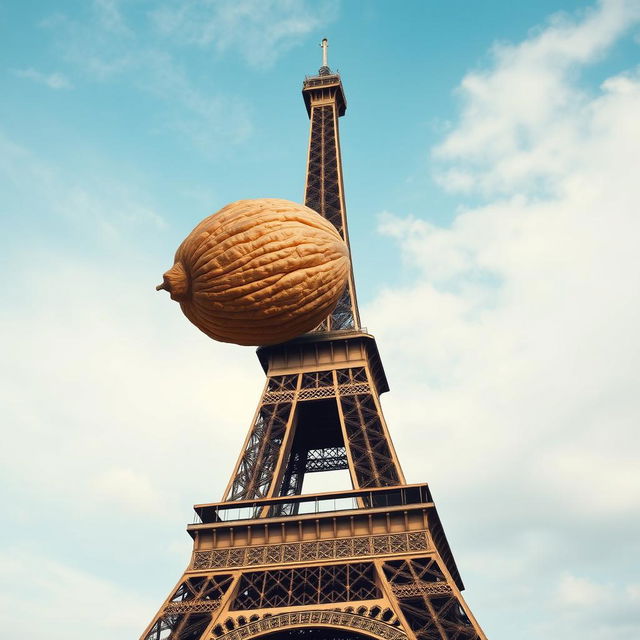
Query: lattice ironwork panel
point(292, 482)
point(319, 384)
point(428, 602)
point(351, 376)
point(329, 459)
point(283, 383)
point(260, 457)
point(370, 450)
point(412, 571)
point(306, 586)
point(354, 389)
point(315, 379)
point(412, 590)
point(280, 389)
point(342, 316)
point(188, 612)
point(452, 618)
point(180, 627)
point(323, 195)
point(191, 606)
point(202, 588)
point(329, 392)
point(337, 548)
point(274, 397)
point(438, 618)
point(317, 393)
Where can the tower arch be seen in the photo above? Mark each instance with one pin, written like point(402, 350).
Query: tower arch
point(322, 624)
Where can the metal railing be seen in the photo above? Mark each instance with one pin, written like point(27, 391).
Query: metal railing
point(319, 81)
point(310, 504)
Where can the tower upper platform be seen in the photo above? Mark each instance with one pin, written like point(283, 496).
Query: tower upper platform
point(324, 89)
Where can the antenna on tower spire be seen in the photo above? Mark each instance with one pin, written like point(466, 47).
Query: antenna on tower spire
point(324, 69)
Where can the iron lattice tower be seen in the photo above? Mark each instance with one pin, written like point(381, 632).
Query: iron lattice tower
point(270, 561)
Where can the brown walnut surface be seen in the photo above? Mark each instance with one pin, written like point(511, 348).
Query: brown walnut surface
point(259, 272)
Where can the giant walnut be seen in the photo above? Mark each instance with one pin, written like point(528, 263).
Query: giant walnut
point(259, 272)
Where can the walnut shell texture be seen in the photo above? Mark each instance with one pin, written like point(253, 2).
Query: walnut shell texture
point(259, 272)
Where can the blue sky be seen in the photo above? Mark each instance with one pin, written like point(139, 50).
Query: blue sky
point(490, 153)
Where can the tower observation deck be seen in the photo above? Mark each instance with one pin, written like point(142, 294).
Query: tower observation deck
point(272, 561)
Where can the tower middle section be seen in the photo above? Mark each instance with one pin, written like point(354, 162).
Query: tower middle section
point(319, 411)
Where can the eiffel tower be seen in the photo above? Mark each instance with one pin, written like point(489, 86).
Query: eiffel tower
point(273, 562)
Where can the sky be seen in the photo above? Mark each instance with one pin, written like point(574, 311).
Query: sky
point(491, 154)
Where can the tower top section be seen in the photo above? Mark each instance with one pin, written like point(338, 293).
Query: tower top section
point(326, 85)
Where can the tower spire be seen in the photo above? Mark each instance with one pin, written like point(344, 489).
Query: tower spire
point(324, 69)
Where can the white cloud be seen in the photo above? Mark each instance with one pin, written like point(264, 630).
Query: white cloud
point(92, 208)
point(53, 80)
point(633, 592)
point(111, 18)
point(581, 592)
point(591, 608)
point(259, 30)
point(513, 356)
point(119, 392)
point(210, 118)
point(67, 599)
point(128, 489)
point(597, 608)
point(521, 122)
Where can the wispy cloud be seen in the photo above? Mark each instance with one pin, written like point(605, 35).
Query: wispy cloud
point(583, 593)
point(598, 605)
point(127, 489)
point(106, 47)
point(92, 211)
point(260, 31)
point(54, 585)
point(110, 17)
point(209, 120)
point(53, 80)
